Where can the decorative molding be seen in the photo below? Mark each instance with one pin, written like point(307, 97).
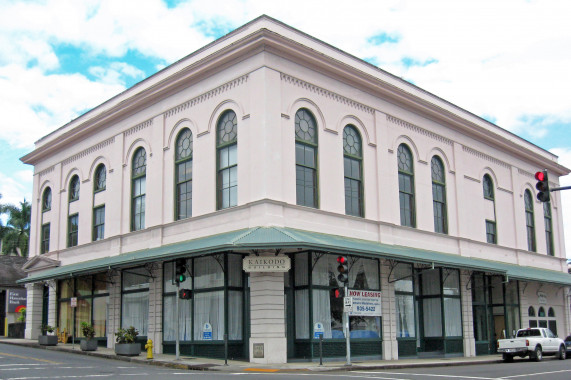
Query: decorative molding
point(88, 151)
point(419, 130)
point(285, 116)
point(138, 127)
point(505, 190)
point(526, 173)
point(471, 179)
point(485, 157)
point(46, 171)
point(246, 117)
point(328, 94)
point(207, 95)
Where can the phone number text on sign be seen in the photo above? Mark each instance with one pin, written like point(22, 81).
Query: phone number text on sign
point(366, 303)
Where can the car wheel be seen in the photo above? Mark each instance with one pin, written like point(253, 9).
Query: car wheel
point(537, 354)
point(507, 358)
point(562, 353)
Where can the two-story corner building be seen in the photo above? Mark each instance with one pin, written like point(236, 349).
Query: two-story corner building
point(258, 160)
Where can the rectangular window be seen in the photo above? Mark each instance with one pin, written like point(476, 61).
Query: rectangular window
point(353, 187)
point(138, 206)
point(406, 198)
point(72, 230)
point(306, 175)
point(228, 176)
point(45, 245)
point(491, 236)
point(439, 207)
point(99, 223)
point(548, 228)
point(184, 190)
point(530, 231)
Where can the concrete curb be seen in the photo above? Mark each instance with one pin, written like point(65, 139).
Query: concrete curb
point(251, 367)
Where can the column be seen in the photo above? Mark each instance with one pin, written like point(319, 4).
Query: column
point(267, 318)
point(34, 310)
point(467, 315)
point(114, 311)
point(390, 344)
point(155, 331)
point(52, 303)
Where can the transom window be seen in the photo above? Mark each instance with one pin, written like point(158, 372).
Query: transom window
point(488, 186)
point(74, 188)
point(183, 173)
point(227, 147)
point(406, 186)
point(100, 182)
point(306, 158)
point(47, 199)
point(439, 195)
point(139, 189)
point(353, 161)
point(529, 220)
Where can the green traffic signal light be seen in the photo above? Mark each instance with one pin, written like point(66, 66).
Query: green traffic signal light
point(181, 278)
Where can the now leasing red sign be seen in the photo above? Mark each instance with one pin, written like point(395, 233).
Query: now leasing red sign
point(365, 303)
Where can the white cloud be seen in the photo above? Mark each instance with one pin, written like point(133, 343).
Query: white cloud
point(13, 190)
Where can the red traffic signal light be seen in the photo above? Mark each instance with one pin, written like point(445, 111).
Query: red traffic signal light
point(337, 293)
point(185, 294)
point(343, 270)
point(542, 186)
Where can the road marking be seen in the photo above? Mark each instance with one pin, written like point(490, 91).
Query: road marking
point(261, 369)
point(535, 374)
point(30, 358)
point(59, 377)
point(426, 374)
point(11, 365)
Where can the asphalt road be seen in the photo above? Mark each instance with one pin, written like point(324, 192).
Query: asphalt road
point(25, 363)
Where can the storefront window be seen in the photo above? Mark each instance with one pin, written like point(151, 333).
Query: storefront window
point(209, 315)
point(404, 301)
point(135, 300)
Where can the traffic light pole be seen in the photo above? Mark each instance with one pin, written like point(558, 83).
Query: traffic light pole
point(347, 330)
point(177, 323)
point(561, 188)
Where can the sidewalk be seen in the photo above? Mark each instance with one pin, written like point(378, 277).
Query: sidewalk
point(204, 364)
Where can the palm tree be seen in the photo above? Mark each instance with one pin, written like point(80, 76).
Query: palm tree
point(3, 228)
point(17, 230)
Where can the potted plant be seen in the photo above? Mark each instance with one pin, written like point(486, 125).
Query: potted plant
point(125, 342)
point(45, 339)
point(88, 344)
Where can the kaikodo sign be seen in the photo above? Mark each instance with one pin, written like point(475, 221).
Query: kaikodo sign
point(266, 264)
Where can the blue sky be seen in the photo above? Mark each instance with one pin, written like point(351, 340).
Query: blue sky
point(507, 61)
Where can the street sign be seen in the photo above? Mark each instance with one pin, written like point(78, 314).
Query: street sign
point(348, 301)
point(73, 302)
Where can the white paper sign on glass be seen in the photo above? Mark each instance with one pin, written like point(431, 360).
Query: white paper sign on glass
point(365, 303)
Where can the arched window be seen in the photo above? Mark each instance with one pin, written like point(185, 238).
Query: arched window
point(183, 175)
point(551, 313)
point(490, 209)
point(439, 195)
point(547, 219)
point(353, 171)
point(306, 158)
point(227, 147)
point(531, 311)
point(139, 189)
point(406, 186)
point(529, 220)
point(541, 312)
point(100, 180)
point(47, 199)
point(74, 188)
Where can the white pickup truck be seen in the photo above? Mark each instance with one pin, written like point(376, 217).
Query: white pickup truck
point(532, 342)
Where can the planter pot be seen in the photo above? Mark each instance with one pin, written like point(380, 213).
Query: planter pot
point(47, 340)
point(88, 345)
point(128, 349)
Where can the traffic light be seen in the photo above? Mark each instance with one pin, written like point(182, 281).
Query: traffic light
point(180, 270)
point(343, 270)
point(542, 186)
point(184, 294)
point(337, 293)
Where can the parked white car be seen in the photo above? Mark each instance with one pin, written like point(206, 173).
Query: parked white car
point(532, 342)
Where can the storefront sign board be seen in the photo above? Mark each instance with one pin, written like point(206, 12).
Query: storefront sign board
point(365, 303)
point(266, 264)
point(16, 300)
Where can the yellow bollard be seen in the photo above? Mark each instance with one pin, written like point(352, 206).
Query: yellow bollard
point(149, 348)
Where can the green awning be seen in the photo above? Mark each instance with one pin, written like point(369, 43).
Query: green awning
point(288, 238)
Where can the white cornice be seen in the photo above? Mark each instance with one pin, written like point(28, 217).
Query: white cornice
point(267, 34)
